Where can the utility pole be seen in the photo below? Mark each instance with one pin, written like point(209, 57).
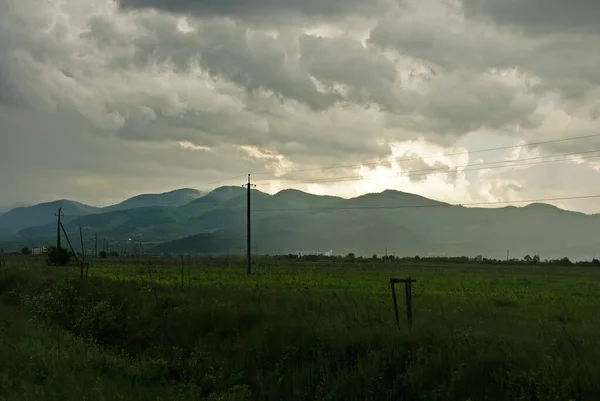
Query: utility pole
point(386, 257)
point(249, 185)
point(95, 245)
point(58, 228)
point(82, 247)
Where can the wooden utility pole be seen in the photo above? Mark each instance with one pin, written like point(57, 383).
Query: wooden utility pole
point(58, 225)
point(248, 186)
point(82, 264)
point(82, 247)
point(69, 242)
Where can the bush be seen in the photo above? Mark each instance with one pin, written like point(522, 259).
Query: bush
point(58, 256)
point(25, 251)
point(102, 255)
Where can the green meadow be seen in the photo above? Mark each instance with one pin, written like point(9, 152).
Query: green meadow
point(202, 329)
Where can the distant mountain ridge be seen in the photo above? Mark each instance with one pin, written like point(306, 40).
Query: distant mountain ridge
point(44, 213)
point(8, 208)
point(291, 221)
point(24, 218)
point(177, 197)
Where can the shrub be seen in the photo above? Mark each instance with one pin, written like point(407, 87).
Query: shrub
point(58, 256)
point(102, 255)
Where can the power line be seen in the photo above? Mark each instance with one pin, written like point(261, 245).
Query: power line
point(411, 159)
point(433, 205)
point(468, 167)
point(439, 155)
point(223, 180)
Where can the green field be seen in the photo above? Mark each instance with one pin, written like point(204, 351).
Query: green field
point(202, 329)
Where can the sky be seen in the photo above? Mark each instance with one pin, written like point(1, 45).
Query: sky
point(103, 100)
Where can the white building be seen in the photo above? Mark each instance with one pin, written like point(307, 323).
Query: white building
point(39, 250)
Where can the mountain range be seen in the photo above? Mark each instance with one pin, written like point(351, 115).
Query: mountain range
point(290, 221)
point(8, 208)
point(13, 221)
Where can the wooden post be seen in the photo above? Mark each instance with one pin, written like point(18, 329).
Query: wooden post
point(408, 289)
point(408, 293)
point(395, 301)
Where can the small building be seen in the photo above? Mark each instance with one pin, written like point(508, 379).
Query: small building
point(40, 250)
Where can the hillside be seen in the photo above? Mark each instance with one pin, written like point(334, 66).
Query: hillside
point(8, 208)
point(39, 220)
point(293, 221)
point(298, 199)
point(22, 217)
point(227, 192)
point(178, 197)
point(406, 224)
point(219, 242)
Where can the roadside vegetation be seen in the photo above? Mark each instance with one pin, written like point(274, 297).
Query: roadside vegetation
point(201, 329)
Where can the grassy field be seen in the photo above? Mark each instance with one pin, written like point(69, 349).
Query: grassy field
point(202, 329)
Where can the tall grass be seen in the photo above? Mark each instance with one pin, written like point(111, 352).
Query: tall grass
point(324, 333)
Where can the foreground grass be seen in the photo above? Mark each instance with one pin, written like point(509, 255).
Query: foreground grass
point(38, 363)
point(312, 333)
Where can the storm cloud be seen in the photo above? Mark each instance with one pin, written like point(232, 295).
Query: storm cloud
point(262, 9)
point(540, 17)
point(149, 95)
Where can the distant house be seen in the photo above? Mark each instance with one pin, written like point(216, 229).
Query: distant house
point(319, 253)
point(41, 250)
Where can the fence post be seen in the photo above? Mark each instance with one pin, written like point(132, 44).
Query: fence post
point(408, 294)
point(408, 290)
point(395, 301)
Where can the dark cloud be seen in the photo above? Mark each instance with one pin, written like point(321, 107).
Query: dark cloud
point(9, 96)
point(468, 43)
point(455, 104)
point(131, 101)
point(368, 75)
point(540, 17)
point(259, 61)
point(262, 9)
point(252, 59)
point(458, 45)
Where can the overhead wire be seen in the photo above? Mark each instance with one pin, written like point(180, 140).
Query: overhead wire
point(221, 181)
point(481, 166)
point(404, 159)
point(431, 205)
point(469, 167)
